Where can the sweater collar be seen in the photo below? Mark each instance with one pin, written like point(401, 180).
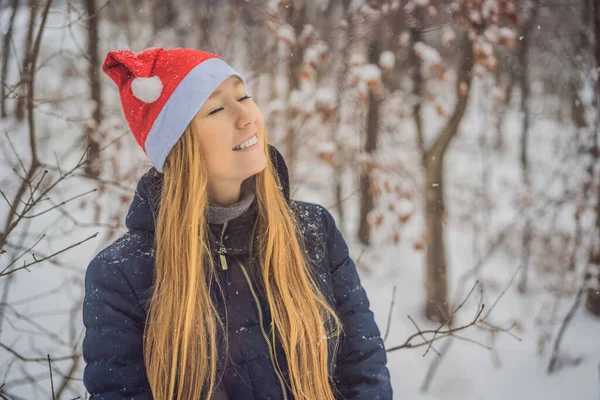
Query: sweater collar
point(221, 214)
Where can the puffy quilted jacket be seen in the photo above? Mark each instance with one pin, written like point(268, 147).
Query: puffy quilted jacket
point(118, 285)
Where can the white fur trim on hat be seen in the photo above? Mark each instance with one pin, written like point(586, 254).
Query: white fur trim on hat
point(182, 105)
point(147, 90)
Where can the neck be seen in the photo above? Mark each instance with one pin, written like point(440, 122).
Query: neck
point(218, 213)
point(224, 195)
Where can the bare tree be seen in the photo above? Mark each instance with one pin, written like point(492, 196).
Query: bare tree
point(473, 50)
point(26, 68)
point(338, 160)
point(437, 305)
point(593, 294)
point(295, 16)
point(33, 192)
point(6, 52)
point(92, 168)
point(163, 15)
point(372, 131)
point(525, 32)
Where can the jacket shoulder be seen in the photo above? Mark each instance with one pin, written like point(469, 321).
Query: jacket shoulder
point(314, 224)
point(114, 320)
point(132, 255)
point(314, 216)
point(311, 216)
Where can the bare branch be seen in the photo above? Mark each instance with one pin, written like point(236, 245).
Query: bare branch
point(24, 253)
point(60, 204)
point(3, 273)
point(38, 359)
point(389, 320)
point(512, 278)
point(420, 333)
point(51, 379)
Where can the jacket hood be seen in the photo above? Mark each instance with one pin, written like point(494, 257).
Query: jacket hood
point(146, 201)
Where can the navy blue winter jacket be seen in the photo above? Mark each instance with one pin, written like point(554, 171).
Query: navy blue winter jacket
point(118, 285)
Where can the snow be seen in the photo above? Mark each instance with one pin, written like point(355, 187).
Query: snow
point(307, 35)
point(404, 38)
point(428, 54)
point(286, 34)
point(275, 107)
point(357, 59)
point(492, 33)
point(448, 36)
point(507, 35)
point(326, 148)
point(315, 54)
point(325, 98)
point(371, 72)
point(474, 16)
point(387, 60)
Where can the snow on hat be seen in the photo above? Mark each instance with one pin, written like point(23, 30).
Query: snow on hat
point(162, 90)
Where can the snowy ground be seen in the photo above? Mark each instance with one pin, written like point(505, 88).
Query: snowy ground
point(516, 367)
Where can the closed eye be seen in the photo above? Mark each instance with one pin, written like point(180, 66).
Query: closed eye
point(221, 108)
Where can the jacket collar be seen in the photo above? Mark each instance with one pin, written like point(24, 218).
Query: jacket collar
point(146, 203)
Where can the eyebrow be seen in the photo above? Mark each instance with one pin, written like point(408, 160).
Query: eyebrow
point(218, 91)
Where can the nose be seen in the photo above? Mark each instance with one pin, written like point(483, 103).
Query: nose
point(245, 116)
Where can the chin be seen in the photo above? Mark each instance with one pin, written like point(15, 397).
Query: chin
point(254, 167)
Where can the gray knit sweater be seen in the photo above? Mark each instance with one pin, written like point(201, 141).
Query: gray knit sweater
point(219, 215)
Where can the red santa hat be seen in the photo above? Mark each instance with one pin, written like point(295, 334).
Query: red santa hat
point(162, 90)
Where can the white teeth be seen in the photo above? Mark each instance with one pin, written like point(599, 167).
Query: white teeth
point(247, 143)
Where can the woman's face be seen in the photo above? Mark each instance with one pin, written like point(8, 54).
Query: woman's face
point(228, 119)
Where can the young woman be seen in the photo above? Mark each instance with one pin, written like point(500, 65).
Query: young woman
point(223, 287)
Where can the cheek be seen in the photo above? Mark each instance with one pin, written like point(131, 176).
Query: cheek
point(257, 113)
point(214, 149)
point(260, 118)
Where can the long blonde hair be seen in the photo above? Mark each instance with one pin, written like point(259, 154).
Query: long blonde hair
point(182, 327)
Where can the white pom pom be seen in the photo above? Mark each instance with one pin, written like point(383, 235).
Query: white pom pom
point(147, 90)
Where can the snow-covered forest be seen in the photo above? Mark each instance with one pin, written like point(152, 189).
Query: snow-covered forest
point(456, 142)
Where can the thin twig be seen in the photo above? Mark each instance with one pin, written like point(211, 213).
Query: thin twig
point(389, 320)
point(51, 379)
point(37, 261)
point(502, 293)
point(24, 253)
point(570, 314)
point(60, 204)
point(420, 333)
point(40, 359)
point(439, 334)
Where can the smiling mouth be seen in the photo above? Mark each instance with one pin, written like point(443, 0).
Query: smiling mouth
point(248, 143)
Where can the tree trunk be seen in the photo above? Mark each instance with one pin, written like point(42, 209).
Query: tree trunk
point(163, 15)
point(417, 78)
point(92, 167)
point(367, 200)
point(339, 161)
point(523, 52)
point(593, 295)
point(437, 282)
point(6, 58)
point(505, 68)
point(436, 307)
point(22, 97)
point(296, 17)
point(205, 16)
